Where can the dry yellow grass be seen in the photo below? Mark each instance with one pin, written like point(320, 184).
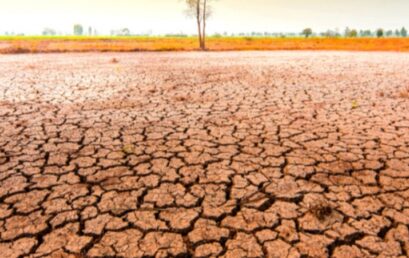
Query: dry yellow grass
point(118, 44)
point(404, 93)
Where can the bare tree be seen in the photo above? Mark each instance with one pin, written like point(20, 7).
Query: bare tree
point(201, 11)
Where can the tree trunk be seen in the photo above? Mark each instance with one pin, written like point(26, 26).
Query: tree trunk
point(199, 29)
point(199, 25)
point(204, 25)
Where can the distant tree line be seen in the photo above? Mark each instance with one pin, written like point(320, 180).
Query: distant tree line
point(353, 33)
point(79, 30)
point(49, 32)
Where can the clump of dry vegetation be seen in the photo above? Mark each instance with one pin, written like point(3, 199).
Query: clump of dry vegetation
point(114, 61)
point(128, 149)
point(321, 210)
point(180, 98)
point(31, 66)
point(354, 104)
point(404, 93)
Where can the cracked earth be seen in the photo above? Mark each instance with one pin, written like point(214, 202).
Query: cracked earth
point(250, 154)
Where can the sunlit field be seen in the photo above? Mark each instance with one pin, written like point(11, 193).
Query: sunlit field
point(40, 44)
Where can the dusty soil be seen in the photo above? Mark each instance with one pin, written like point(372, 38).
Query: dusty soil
point(250, 154)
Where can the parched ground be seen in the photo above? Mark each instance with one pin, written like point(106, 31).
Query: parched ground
point(250, 154)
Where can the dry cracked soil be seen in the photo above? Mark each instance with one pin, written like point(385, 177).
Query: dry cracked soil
point(250, 154)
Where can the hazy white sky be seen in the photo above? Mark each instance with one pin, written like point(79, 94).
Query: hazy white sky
point(167, 16)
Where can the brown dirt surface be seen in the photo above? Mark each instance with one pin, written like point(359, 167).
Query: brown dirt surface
point(238, 154)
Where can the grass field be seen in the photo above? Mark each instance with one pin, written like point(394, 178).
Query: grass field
point(44, 44)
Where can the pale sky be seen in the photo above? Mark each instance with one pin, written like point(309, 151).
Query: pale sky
point(233, 16)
